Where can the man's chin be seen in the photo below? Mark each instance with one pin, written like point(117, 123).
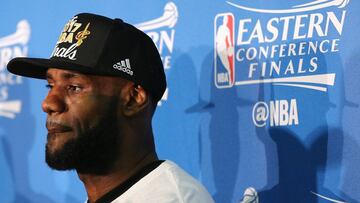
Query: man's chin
point(56, 141)
point(93, 154)
point(92, 151)
point(60, 156)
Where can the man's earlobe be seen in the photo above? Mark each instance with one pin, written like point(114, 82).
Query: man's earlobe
point(138, 100)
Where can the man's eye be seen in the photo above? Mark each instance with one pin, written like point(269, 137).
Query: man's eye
point(48, 86)
point(74, 88)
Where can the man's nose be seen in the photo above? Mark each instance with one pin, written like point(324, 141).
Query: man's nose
point(53, 102)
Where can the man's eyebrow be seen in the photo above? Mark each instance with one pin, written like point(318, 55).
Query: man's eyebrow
point(65, 75)
point(48, 76)
point(69, 75)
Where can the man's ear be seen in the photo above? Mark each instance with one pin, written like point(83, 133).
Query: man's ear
point(137, 100)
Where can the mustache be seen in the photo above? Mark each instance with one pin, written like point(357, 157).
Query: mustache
point(56, 126)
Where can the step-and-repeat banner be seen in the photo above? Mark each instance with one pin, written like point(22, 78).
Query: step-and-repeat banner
point(262, 102)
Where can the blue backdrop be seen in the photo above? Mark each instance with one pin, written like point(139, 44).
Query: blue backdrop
point(262, 94)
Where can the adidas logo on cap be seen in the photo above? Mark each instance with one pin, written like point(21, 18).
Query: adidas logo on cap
point(124, 66)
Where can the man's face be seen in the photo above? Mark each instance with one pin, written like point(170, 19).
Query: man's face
point(81, 120)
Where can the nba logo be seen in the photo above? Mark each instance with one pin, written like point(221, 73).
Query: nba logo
point(224, 50)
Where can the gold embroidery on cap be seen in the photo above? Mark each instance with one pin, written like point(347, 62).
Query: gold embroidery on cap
point(70, 28)
point(80, 36)
point(67, 36)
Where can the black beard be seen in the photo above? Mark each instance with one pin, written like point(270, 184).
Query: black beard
point(91, 152)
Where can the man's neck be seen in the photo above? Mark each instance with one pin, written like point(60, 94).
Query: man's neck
point(98, 185)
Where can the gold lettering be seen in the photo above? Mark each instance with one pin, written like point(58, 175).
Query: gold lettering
point(80, 36)
point(76, 27)
point(71, 24)
point(69, 38)
point(61, 38)
point(66, 27)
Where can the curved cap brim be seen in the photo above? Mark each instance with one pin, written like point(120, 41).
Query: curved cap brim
point(37, 67)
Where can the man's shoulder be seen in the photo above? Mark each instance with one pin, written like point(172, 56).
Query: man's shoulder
point(167, 182)
point(172, 176)
point(177, 176)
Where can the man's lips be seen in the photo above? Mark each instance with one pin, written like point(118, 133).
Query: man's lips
point(57, 128)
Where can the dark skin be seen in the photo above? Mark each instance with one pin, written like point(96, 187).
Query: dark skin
point(77, 102)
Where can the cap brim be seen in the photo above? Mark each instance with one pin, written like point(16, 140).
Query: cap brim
point(37, 67)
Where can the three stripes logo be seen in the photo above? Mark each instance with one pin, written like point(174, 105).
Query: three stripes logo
point(124, 66)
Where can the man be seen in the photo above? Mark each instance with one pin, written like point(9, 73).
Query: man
point(105, 78)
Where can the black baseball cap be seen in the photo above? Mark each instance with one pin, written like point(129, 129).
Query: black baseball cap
point(94, 44)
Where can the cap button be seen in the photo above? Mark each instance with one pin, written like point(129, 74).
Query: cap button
point(119, 20)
